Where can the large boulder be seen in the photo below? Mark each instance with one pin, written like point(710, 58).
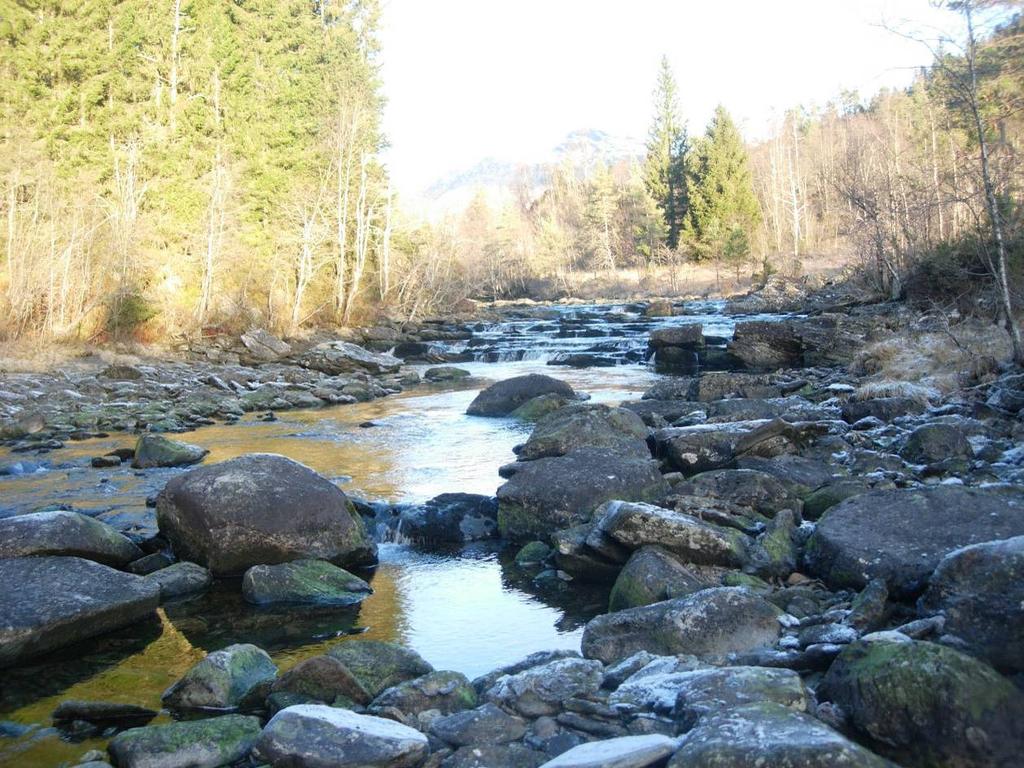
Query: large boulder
point(317, 736)
point(702, 692)
point(237, 676)
point(694, 541)
point(321, 679)
point(746, 487)
point(488, 724)
point(710, 624)
point(153, 450)
point(209, 743)
point(446, 692)
point(378, 665)
point(180, 579)
point(933, 443)
point(769, 734)
point(652, 574)
point(586, 426)
point(924, 704)
point(767, 345)
point(306, 582)
point(260, 509)
point(622, 752)
point(451, 518)
point(50, 602)
point(901, 535)
point(337, 357)
point(980, 591)
point(264, 346)
point(541, 690)
point(502, 398)
point(65, 533)
point(558, 492)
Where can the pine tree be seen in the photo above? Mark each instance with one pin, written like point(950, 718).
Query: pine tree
point(723, 211)
point(664, 167)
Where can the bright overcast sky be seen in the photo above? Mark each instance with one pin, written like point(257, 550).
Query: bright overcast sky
point(469, 79)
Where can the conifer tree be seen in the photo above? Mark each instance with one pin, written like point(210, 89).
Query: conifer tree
point(664, 167)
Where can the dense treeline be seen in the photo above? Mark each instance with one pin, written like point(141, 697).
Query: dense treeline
point(177, 165)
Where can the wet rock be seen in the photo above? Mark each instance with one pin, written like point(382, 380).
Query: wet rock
point(338, 357)
point(322, 679)
point(694, 541)
point(486, 725)
point(979, 590)
point(66, 534)
point(901, 535)
point(210, 743)
point(102, 714)
point(260, 509)
point(180, 579)
point(307, 582)
point(651, 575)
point(659, 308)
point(50, 602)
point(446, 692)
point(703, 692)
point(452, 517)
point(378, 665)
point(558, 492)
point(494, 756)
point(924, 704)
point(541, 690)
point(616, 430)
point(316, 736)
point(574, 556)
point(153, 450)
point(149, 563)
point(504, 397)
point(234, 677)
point(446, 373)
point(765, 734)
point(533, 552)
point(882, 408)
point(265, 346)
point(623, 752)
point(690, 336)
point(105, 462)
point(710, 624)
point(932, 443)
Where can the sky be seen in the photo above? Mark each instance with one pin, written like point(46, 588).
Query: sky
point(471, 79)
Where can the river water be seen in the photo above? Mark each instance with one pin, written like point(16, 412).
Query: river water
point(469, 609)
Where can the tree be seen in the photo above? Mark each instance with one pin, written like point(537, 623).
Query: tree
point(664, 167)
point(723, 210)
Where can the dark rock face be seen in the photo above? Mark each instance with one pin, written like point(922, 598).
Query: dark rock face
point(924, 704)
point(502, 398)
point(933, 443)
point(980, 591)
point(882, 408)
point(709, 624)
point(260, 509)
point(236, 676)
point(153, 450)
point(452, 517)
point(307, 582)
point(766, 345)
point(769, 734)
point(208, 743)
point(322, 679)
point(65, 533)
point(316, 736)
point(651, 575)
point(745, 487)
point(691, 335)
point(586, 426)
point(49, 602)
point(901, 535)
point(552, 493)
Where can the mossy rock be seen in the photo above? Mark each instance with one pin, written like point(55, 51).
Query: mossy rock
point(378, 665)
point(539, 407)
point(235, 677)
point(216, 741)
point(447, 692)
point(533, 553)
point(823, 499)
point(651, 575)
point(158, 451)
point(924, 704)
point(308, 582)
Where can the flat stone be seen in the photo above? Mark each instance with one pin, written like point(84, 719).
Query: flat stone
point(623, 752)
point(306, 582)
point(209, 743)
point(64, 533)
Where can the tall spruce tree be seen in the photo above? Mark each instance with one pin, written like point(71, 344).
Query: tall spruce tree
point(723, 209)
point(664, 168)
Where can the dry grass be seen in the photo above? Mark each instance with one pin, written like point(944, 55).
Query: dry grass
point(926, 366)
point(35, 356)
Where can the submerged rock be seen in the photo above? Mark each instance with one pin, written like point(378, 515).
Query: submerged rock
point(152, 450)
point(308, 582)
point(260, 509)
point(316, 736)
point(65, 533)
point(504, 397)
point(710, 624)
point(924, 704)
point(209, 743)
point(50, 602)
point(901, 535)
point(228, 679)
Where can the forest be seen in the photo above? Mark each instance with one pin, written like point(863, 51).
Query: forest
point(170, 167)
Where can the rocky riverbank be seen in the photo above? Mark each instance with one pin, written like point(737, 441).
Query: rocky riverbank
point(806, 568)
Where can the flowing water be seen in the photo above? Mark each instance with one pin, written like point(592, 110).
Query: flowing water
point(469, 609)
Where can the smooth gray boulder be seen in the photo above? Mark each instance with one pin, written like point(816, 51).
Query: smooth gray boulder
point(710, 624)
point(209, 743)
point(180, 579)
point(979, 590)
point(621, 752)
point(443, 691)
point(541, 690)
point(50, 602)
point(305, 582)
point(586, 426)
point(317, 736)
point(154, 450)
point(703, 692)
point(653, 574)
point(901, 535)
point(64, 533)
point(236, 676)
point(486, 725)
point(337, 357)
point(503, 397)
point(322, 679)
point(260, 509)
